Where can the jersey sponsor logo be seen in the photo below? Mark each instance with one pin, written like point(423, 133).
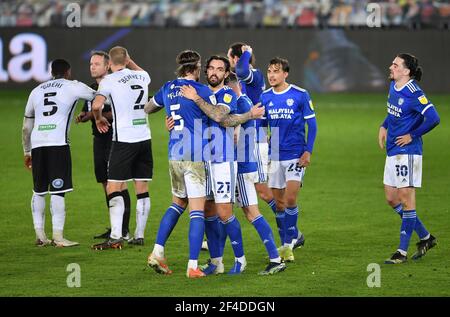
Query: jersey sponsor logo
point(290, 102)
point(423, 100)
point(281, 113)
point(227, 98)
point(393, 110)
point(139, 121)
point(45, 127)
point(58, 183)
point(401, 101)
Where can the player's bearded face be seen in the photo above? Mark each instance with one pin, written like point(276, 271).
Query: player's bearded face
point(215, 72)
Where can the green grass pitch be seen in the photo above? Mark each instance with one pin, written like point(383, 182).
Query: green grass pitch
point(345, 219)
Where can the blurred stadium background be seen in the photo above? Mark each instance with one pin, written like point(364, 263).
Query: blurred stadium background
point(333, 53)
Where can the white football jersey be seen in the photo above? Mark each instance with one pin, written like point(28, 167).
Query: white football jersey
point(128, 92)
point(52, 105)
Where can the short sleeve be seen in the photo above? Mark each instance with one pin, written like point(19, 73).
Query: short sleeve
point(83, 91)
point(420, 102)
point(228, 99)
point(29, 108)
point(104, 89)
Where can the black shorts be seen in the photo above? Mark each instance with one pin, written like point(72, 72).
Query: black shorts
point(130, 161)
point(52, 169)
point(102, 149)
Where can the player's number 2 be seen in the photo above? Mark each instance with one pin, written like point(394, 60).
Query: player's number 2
point(137, 103)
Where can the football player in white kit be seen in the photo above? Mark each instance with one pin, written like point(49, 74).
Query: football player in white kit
point(45, 132)
point(131, 151)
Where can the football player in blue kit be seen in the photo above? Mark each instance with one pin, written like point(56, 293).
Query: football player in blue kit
point(242, 61)
point(410, 116)
point(222, 166)
point(288, 109)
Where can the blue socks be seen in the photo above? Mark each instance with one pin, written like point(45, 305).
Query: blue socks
point(265, 233)
point(279, 217)
point(213, 229)
point(407, 228)
point(290, 224)
point(168, 222)
point(233, 230)
point(196, 232)
point(419, 228)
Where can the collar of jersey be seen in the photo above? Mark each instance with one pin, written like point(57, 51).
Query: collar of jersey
point(219, 89)
point(281, 92)
point(401, 88)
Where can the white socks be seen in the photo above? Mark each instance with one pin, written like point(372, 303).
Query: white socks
point(116, 210)
point(38, 212)
point(58, 211)
point(142, 211)
point(158, 250)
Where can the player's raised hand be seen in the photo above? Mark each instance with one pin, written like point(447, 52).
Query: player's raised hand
point(102, 125)
point(27, 160)
point(403, 140)
point(247, 48)
point(305, 159)
point(170, 123)
point(257, 111)
point(189, 92)
point(382, 135)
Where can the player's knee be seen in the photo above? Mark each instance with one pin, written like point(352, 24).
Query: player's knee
point(391, 201)
point(280, 204)
point(291, 200)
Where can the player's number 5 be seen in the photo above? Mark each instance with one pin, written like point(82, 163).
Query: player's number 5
point(47, 102)
point(176, 117)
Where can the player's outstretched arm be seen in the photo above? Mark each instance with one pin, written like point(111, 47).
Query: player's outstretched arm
point(217, 113)
point(233, 120)
point(151, 107)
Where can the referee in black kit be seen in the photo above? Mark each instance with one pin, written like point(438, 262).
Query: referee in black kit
point(99, 67)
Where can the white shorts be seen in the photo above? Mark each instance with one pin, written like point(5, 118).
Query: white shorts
point(282, 171)
point(246, 192)
point(262, 158)
point(403, 170)
point(188, 179)
point(222, 178)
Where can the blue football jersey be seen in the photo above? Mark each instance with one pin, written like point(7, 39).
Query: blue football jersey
point(405, 108)
point(186, 141)
point(246, 145)
point(221, 145)
point(286, 113)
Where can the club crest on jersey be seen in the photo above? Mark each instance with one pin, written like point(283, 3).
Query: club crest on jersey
point(423, 100)
point(311, 105)
point(290, 102)
point(213, 99)
point(400, 101)
point(58, 183)
point(227, 98)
